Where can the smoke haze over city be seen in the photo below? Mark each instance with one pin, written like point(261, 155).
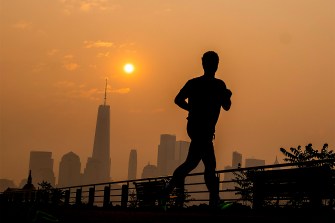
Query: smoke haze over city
point(277, 57)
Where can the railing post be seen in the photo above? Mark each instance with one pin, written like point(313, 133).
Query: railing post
point(257, 193)
point(78, 196)
point(124, 196)
point(218, 183)
point(67, 197)
point(91, 196)
point(106, 196)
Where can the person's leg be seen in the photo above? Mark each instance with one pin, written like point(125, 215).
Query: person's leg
point(211, 180)
point(178, 178)
point(192, 160)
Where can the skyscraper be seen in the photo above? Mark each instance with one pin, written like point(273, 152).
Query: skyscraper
point(69, 170)
point(132, 165)
point(228, 176)
point(254, 162)
point(228, 186)
point(98, 166)
point(41, 166)
point(237, 159)
point(181, 151)
point(166, 154)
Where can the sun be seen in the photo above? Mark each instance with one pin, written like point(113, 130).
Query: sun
point(129, 68)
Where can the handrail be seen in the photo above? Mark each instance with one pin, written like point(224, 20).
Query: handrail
point(94, 195)
point(201, 173)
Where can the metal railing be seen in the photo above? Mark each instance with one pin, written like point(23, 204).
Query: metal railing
point(123, 193)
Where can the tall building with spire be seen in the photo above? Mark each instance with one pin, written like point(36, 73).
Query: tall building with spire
point(132, 165)
point(98, 166)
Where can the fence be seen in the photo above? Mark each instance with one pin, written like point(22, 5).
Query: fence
point(236, 185)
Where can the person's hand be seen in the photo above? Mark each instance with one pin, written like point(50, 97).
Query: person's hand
point(229, 93)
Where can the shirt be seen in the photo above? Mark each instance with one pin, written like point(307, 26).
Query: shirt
point(205, 97)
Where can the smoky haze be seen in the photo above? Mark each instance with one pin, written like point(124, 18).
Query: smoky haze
point(277, 57)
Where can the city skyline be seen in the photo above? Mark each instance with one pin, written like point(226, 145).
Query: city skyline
point(70, 173)
point(171, 160)
point(170, 153)
point(275, 56)
point(180, 154)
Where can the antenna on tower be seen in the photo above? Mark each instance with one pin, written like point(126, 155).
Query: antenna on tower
point(105, 93)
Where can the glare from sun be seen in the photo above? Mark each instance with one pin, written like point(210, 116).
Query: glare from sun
point(128, 68)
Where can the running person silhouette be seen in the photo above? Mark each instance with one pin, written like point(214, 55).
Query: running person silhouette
point(203, 98)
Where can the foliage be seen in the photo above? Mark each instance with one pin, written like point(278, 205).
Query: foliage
point(56, 195)
point(173, 201)
point(297, 155)
point(160, 198)
point(46, 186)
point(132, 199)
point(244, 188)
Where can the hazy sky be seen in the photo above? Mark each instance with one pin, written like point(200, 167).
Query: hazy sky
point(277, 57)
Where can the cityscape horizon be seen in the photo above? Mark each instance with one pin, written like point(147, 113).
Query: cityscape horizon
point(102, 121)
point(21, 182)
point(276, 57)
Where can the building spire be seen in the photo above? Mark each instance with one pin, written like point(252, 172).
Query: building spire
point(276, 161)
point(105, 93)
point(29, 181)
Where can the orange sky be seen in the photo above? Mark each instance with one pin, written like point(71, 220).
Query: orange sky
point(277, 57)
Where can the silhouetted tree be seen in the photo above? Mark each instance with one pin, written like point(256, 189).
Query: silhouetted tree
point(296, 155)
point(49, 192)
point(244, 181)
point(132, 199)
point(244, 186)
point(45, 186)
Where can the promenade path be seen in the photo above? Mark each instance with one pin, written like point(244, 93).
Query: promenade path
point(186, 215)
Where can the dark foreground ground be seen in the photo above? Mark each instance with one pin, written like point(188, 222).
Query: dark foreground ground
point(43, 214)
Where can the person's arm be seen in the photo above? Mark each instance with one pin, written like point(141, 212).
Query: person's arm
point(226, 94)
point(226, 102)
point(181, 97)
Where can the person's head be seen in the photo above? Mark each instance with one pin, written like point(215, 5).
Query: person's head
point(210, 62)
